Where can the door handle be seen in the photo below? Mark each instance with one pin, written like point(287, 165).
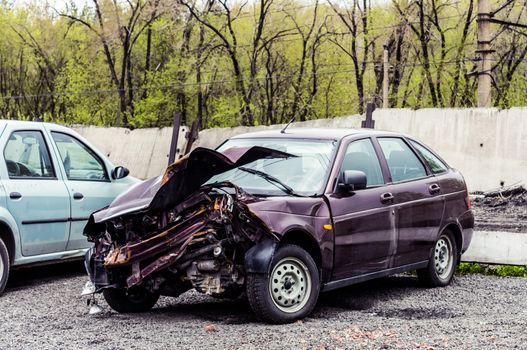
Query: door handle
point(386, 198)
point(434, 188)
point(78, 195)
point(15, 195)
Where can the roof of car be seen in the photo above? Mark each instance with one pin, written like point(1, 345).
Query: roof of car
point(310, 133)
point(31, 124)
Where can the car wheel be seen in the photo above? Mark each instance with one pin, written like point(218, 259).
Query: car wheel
point(290, 291)
point(442, 264)
point(131, 301)
point(4, 266)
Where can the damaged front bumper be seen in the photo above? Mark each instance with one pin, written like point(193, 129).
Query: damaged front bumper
point(206, 242)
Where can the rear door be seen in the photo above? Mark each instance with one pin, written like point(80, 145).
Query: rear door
point(37, 197)
point(87, 181)
point(417, 201)
point(364, 226)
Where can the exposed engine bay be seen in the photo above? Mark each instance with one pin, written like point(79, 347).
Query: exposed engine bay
point(200, 243)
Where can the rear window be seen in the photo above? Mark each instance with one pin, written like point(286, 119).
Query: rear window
point(435, 164)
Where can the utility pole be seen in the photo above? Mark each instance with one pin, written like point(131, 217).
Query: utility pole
point(385, 79)
point(485, 52)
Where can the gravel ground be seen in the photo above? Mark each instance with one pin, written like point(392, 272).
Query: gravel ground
point(41, 309)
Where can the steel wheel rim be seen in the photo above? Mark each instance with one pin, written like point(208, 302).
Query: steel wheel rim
point(443, 257)
point(290, 285)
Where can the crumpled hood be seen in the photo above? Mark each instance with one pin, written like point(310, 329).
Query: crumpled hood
point(181, 179)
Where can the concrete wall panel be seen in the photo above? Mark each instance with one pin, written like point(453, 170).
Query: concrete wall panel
point(487, 145)
point(143, 151)
point(507, 248)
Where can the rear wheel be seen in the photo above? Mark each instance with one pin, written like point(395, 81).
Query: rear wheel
point(130, 301)
point(290, 291)
point(4, 266)
point(442, 263)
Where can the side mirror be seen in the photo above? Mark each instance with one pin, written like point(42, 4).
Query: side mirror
point(353, 180)
point(120, 172)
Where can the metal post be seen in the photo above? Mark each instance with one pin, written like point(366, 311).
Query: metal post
point(175, 135)
point(485, 54)
point(386, 79)
point(369, 123)
point(192, 135)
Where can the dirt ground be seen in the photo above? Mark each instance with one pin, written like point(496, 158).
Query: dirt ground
point(504, 210)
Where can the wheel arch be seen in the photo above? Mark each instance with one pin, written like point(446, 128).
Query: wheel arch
point(458, 236)
point(6, 235)
point(305, 241)
point(258, 258)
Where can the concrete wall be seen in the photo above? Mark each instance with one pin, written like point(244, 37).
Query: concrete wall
point(487, 145)
point(508, 248)
point(143, 151)
point(212, 138)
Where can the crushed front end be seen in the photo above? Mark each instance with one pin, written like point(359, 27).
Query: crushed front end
point(172, 233)
point(199, 243)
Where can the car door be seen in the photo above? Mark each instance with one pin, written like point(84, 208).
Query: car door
point(363, 225)
point(37, 196)
point(88, 182)
point(417, 199)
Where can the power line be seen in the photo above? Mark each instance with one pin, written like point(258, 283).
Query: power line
point(206, 83)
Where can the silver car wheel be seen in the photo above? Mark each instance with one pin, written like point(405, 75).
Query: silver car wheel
point(1, 269)
point(290, 285)
point(443, 257)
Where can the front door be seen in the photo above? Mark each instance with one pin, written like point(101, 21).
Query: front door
point(36, 195)
point(363, 225)
point(88, 183)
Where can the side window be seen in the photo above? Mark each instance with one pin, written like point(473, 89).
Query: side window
point(435, 164)
point(80, 162)
point(26, 156)
point(360, 155)
point(402, 161)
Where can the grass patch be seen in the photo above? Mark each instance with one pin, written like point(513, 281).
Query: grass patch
point(493, 270)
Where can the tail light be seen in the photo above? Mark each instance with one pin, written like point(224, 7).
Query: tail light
point(468, 199)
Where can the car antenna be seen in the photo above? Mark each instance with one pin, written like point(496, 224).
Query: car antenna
point(287, 125)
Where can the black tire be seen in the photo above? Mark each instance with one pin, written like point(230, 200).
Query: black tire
point(133, 301)
point(4, 266)
point(436, 274)
point(298, 271)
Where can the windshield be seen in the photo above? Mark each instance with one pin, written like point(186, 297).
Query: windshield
point(304, 174)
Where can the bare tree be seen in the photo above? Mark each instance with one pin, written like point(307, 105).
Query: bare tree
point(461, 53)
point(511, 52)
point(311, 36)
point(139, 16)
point(355, 18)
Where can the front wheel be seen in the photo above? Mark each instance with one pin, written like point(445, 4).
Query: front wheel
point(442, 263)
point(130, 301)
point(290, 291)
point(4, 266)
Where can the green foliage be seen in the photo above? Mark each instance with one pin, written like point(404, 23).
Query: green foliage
point(493, 270)
point(70, 68)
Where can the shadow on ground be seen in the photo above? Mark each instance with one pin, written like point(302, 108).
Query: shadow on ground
point(31, 276)
point(361, 297)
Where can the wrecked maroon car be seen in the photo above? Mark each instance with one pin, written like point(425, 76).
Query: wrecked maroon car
point(281, 216)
